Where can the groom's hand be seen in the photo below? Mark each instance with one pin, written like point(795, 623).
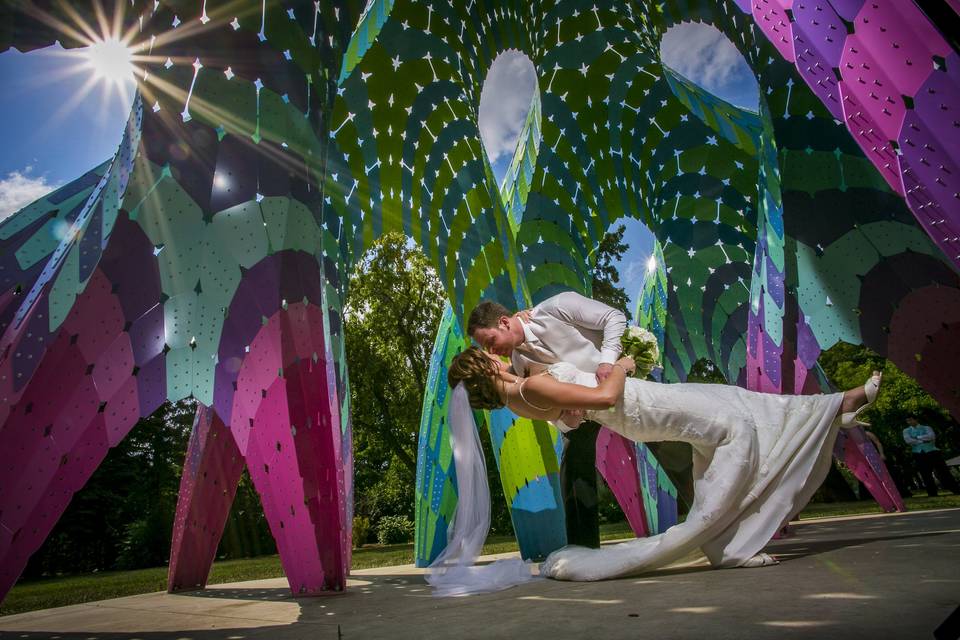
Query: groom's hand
point(572, 417)
point(604, 371)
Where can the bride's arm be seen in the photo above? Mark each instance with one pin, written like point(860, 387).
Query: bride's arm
point(548, 392)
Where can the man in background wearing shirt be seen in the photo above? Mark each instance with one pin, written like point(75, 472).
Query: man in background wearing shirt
point(921, 439)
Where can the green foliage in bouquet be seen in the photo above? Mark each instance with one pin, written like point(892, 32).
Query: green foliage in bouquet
point(641, 345)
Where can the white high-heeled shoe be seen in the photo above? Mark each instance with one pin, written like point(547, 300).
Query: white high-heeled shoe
point(871, 387)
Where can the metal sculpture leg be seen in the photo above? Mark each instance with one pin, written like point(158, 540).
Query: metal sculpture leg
point(208, 486)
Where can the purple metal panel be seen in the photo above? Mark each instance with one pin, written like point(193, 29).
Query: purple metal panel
point(819, 76)
point(818, 27)
point(847, 9)
point(152, 384)
point(113, 366)
point(930, 144)
point(147, 335)
point(96, 323)
point(893, 58)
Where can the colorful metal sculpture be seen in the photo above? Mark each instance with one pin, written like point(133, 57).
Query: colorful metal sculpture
point(271, 142)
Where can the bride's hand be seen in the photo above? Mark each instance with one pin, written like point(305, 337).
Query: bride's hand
point(524, 315)
point(628, 365)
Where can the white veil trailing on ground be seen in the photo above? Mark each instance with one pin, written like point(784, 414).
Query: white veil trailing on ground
point(453, 573)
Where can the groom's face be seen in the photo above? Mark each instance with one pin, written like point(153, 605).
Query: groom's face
point(500, 339)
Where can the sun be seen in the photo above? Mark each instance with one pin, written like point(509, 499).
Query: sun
point(111, 60)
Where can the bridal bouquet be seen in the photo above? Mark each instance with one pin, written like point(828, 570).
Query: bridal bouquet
point(641, 345)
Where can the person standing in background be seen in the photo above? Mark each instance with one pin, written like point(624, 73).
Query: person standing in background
point(921, 439)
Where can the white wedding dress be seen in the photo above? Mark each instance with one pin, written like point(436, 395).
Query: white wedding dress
point(757, 460)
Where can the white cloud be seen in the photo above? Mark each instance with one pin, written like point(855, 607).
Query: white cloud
point(635, 271)
point(504, 103)
point(700, 53)
point(20, 188)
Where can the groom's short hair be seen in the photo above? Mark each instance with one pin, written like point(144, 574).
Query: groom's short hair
point(485, 316)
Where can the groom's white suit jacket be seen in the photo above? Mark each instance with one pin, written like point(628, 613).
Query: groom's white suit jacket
point(569, 328)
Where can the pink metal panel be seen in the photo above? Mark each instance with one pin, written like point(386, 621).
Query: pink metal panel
point(290, 427)
point(865, 78)
point(211, 471)
point(861, 457)
point(871, 138)
point(771, 17)
point(901, 39)
point(617, 463)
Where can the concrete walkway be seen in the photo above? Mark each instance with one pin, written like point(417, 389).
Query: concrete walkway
point(884, 576)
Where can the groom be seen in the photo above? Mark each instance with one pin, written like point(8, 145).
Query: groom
point(565, 328)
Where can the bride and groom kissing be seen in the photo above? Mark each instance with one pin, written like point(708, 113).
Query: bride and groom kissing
point(757, 457)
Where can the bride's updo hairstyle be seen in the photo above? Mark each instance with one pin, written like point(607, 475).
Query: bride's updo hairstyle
point(479, 375)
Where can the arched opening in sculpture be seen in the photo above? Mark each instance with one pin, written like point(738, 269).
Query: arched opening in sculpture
point(703, 55)
point(505, 103)
point(393, 306)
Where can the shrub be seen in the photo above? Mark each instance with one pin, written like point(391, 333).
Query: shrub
point(394, 530)
point(361, 531)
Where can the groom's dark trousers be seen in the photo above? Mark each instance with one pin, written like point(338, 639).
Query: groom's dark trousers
point(578, 485)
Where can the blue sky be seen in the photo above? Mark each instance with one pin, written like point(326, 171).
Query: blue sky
point(55, 126)
point(51, 131)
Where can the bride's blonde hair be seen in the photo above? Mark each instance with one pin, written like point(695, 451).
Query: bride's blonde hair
point(479, 375)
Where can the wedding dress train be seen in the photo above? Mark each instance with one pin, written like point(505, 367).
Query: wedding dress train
point(757, 459)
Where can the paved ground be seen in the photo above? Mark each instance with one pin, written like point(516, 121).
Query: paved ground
point(891, 576)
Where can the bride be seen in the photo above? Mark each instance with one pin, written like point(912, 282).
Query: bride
point(757, 457)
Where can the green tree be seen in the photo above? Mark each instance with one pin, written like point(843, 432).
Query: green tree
point(704, 370)
point(848, 366)
point(605, 274)
point(392, 311)
point(247, 533)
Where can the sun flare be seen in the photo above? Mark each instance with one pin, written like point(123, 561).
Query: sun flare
point(111, 60)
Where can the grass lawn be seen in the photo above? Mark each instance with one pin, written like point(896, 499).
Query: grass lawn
point(66, 590)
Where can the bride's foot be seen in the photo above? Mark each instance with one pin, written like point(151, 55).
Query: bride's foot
point(856, 401)
point(760, 560)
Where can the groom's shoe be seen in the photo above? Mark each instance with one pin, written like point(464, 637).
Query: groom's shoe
point(871, 387)
point(760, 560)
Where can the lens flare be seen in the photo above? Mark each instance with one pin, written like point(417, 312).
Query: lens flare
point(111, 60)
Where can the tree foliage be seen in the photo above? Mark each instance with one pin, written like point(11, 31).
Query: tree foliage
point(605, 274)
point(848, 366)
point(704, 370)
point(392, 311)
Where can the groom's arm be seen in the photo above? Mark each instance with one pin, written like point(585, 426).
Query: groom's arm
point(591, 314)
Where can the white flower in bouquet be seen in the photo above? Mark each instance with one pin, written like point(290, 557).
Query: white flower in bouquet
point(642, 346)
